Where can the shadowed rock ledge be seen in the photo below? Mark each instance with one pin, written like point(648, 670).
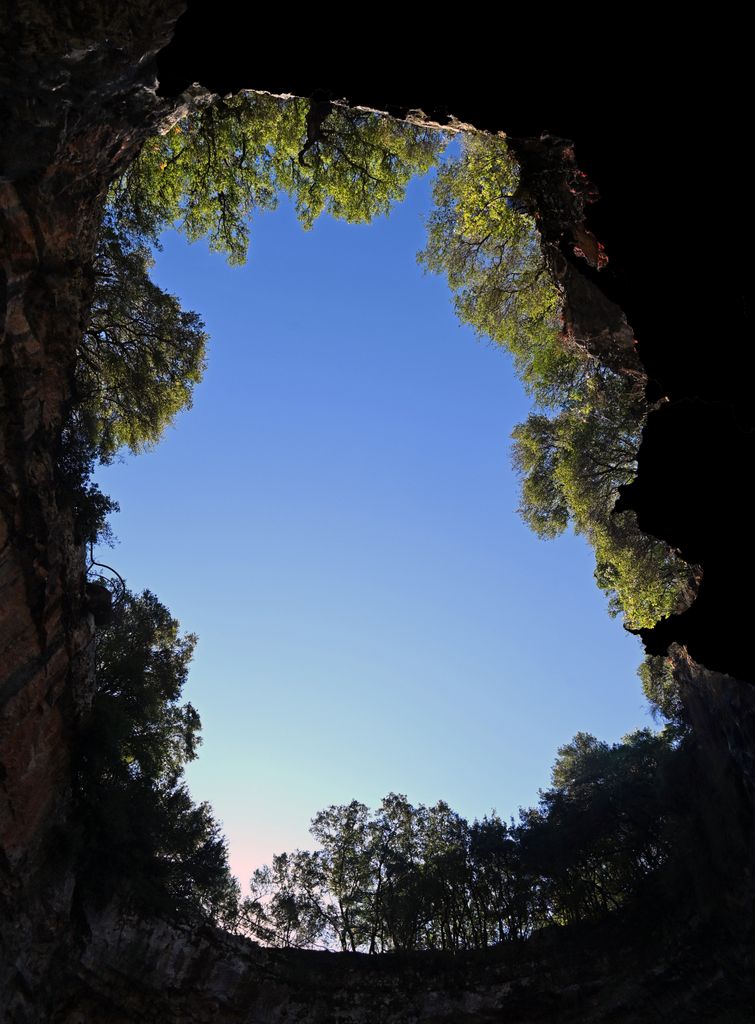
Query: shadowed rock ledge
point(135, 970)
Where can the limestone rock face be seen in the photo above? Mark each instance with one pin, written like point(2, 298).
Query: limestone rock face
point(135, 970)
point(78, 97)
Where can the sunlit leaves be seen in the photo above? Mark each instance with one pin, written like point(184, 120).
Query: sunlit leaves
point(573, 459)
point(537, 456)
point(488, 248)
point(571, 465)
point(141, 354)
point(207, 176)
point(662, 691)
point(231, 158)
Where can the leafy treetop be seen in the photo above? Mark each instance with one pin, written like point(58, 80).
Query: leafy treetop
point(605, 835)
point(142, 355)
point(233, 157)
point(488, 248)
point(580, 443)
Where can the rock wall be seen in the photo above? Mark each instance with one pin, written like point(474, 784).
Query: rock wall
point(132, 970)
point(78, 96)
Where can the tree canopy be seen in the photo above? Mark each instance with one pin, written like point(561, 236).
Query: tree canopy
point(580, 443)
point(141, 355)
point(408, 877)
point(571, 466)
point(480, 236)
point(231, 158)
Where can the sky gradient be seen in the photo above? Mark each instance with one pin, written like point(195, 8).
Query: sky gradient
point(335, 517)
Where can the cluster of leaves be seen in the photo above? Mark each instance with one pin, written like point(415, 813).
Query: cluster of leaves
point(75, 464)
point(662, 691)
point(481, 238)
point(580, 444)
point(144, 836)
point(601, 834)
point(408, 878)
point(572, 464)
point(142, 355)
point(234, 156)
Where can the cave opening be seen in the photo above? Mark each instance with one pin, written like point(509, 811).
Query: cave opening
point(83, 86)
point(364, 569)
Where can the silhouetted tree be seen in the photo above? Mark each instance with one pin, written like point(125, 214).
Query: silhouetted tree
point(601, 830)
point(146, 839)
point(604, 836)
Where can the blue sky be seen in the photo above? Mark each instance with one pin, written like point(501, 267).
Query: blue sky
point(335, 517)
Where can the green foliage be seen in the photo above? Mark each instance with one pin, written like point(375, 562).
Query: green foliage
point(145, 837)
point(489, 251)
point(571, 465)
point(142, 664)
point(228, 159)
point(141, 354)
point(403, 877)
point(662, 691)
point(537, 454)
point(601, 831)
point(138, 363)
point(74, 466)
point(605, 836)
point(576, 760)
point(572, 460)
